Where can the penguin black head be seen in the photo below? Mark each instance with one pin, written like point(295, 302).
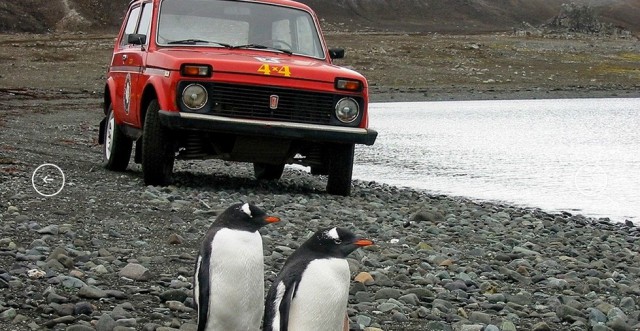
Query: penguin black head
point(244, 216)
point(335, 242)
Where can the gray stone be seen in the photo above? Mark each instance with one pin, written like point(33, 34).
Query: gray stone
point(388, 293)
point(173, 295)
point(387, 306)
point(399, 317)
point(627, 304)
point(127, 322)
point(71, 282)
point(91, 292)
point(79, 327)
point(428, 216)
point(472, 327)
point(411, 299)
point(8, 314)
point(567, 313)
point(618, 323)
point(105, 323)
point(541, 326)
point(49, 229)
point(508, 326)
point(135, 271)
point(437, 326)
point(480, 317)
point(363, 320)
point(596, 316)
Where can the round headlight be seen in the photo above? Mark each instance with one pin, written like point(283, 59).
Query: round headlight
point(194, 96)
point(347, 110)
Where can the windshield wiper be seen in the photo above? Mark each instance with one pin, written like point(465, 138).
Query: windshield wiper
point(197, 41)
point(258, 46)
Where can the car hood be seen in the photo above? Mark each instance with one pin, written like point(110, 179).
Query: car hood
point(249, 62)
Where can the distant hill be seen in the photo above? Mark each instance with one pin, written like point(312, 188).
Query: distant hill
point(465, 16)
point(447, 16)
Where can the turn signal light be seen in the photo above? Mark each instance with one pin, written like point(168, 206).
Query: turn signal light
point(196, 70)
point(348, 85)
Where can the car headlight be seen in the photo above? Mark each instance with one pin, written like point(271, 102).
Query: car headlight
point(347, 110)
point(194, 96)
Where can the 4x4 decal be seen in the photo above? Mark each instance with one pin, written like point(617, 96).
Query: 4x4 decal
point(275, 69)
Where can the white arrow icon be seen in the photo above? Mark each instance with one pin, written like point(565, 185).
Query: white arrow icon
point(47, 179)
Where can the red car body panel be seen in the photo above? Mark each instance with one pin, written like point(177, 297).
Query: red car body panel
point(290, 101)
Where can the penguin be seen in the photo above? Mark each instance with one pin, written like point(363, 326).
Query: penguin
point(229, 273)
point(311, 291)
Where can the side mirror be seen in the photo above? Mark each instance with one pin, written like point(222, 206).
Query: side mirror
point(137, 39)
point(336, 53)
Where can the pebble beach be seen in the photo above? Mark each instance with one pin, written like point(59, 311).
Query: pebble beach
point(438, 263)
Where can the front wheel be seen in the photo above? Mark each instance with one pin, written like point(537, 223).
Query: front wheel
point(157, 148)
point(340, 169)
point(116, 150)
point(264, 171)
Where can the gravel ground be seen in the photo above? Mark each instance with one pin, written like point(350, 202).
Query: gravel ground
point(109, 253)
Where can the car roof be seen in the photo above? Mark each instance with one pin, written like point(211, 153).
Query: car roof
point(289, 3)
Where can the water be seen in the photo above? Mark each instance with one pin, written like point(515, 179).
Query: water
point(577, 155)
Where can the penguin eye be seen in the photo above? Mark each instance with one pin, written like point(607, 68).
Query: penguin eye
point(337, 241)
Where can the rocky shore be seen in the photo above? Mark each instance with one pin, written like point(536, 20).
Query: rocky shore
point(108, 253)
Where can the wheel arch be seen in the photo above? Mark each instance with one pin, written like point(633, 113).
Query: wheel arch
point(148, 94)
point(156, 88)
point(108, 96)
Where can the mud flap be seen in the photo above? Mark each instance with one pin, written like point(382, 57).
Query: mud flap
point(103, 128)
point(137, 156)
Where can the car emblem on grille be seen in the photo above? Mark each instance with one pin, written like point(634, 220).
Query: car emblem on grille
point(273, 101)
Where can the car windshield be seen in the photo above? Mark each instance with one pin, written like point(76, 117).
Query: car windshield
point(238, 24)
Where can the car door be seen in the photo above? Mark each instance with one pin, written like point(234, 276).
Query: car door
point(127, 65)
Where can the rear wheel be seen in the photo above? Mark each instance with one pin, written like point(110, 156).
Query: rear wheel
point(264, 171)
point(157, 148)
point(340, 169)
point(116, 150)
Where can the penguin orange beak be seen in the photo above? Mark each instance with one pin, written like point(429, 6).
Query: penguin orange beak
point(271, 219)
point(363, 242)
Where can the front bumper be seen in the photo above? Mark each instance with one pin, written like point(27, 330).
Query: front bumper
point(274, 129)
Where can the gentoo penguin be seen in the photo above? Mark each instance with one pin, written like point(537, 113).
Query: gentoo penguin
point(229, 276)
point(310, 293)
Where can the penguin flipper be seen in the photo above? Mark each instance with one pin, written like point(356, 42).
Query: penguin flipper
point(202, 279)
point(203, 298)
point(285, 305)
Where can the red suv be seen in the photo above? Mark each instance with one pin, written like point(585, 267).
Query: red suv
point(250, 81)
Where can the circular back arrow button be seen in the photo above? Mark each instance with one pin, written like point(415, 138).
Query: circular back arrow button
point(48, 180)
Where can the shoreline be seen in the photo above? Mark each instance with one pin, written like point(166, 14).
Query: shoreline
point(411, 95)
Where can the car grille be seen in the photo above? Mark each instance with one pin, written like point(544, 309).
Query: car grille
point(253, 102)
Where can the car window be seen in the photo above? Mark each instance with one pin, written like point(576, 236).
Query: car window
point(305, 30)
point(130, 27)
point(238, 23)
point(145, 20)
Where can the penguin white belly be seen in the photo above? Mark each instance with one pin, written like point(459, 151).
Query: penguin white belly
point(236, 272)
point(321, 300)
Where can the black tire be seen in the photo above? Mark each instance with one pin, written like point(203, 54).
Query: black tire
point(340, 169)
point(264, 171)
point(116, 150)
point(157, 149)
